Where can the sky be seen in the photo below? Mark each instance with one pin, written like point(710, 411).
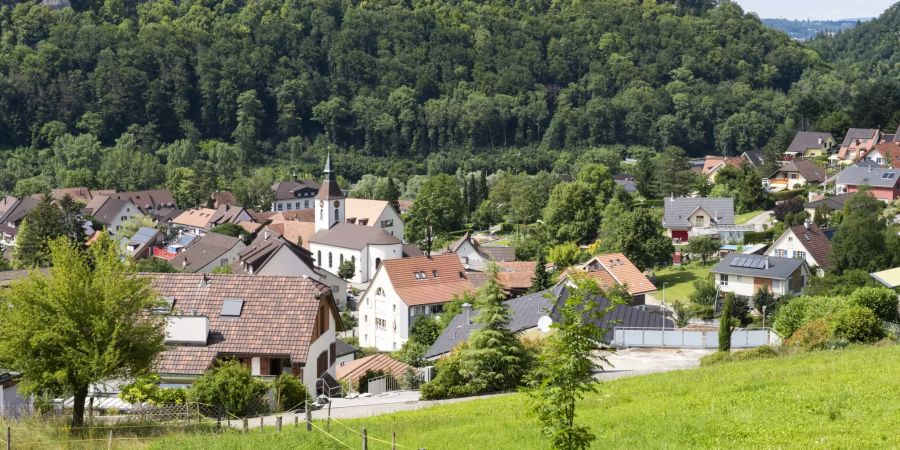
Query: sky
point(816, 9)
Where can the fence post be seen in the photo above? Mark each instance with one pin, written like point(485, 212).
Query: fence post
point(308, 419)
point(278, 423)
point(328, 424)
point(365, 439)
point(296, 421)
point(109, 443)
point(246, 426)
point(8, 438)
point(394, 440)
point(261, 423)
point(219, 425)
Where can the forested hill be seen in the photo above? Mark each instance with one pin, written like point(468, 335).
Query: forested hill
point(874, 44)
point(235, 83)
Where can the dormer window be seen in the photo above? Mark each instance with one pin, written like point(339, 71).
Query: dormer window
point(434, 273)
point(420, 275)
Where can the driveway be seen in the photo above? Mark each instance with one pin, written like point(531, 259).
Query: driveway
point(763, 218)
point(641, 361)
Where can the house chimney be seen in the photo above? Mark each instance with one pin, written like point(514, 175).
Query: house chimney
point(806, 223)
point(204, 282)
point(767, 263)
point(820, 141)
point(184, 262)
point(467, 312)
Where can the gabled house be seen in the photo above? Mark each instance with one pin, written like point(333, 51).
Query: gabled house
point(686, 217)
point(475, 256)
point(857, 141)
point(274, 325)
point(615, 269)
point(12, 212)
point(516, 277)
point(883, 154)
point(810, 144)
point(531, 316)
point(834, 203)
point(883, 183)
point(753, 157)
point(272, 254)
point(195, 220)
point(745, 274)
point(156, 203)
point(712, 165)
point(81, 195)
point(794, 174)
point(143, 242)
point(402, 291)
point(294, 195)
point(807, 242)
point(111, 212)
point(207, 253)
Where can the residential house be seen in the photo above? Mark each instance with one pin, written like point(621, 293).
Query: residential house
point(753, 157)
point(713, 164)
point(475, 256)
point(274, 325)
point(807, 242)
point(81, 195)
point(12, 212)
point(834, 203)
point(404, 290)
point(883, 183)
point(352, 371)
point(272, 254)
point(627, 181)
point(156, 203)
point(207, 253)
point(143, 242)
point(344, 353)
point(336, 240)
point(12, 403)
point(796, 173)
point(895, 137)
point(883, 154)
point(532, 315)
point(687, 217)
point(516, 277)
point(111, 212)
point(857, 141)
point(745, 274)
point(222, 198)
point(294, 195)
point(615, 269)
point(810, 144)
point(201, 220)
point(890, 278)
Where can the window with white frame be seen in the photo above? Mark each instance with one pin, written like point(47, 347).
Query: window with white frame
point(781, 253)
point(723, 279)
point(380, 324)
point(387, 223)
point(699, 221)
point(799, 255)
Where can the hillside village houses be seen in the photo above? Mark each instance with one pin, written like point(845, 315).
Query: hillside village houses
point(796, 173)
point(712, 165)
point(807, 242)
point(201, 220)
point(208, 253)
point(687, 217)
point(272, 324)
point(883, 183)
point(810, 144)
point(294, 195)
point(615, 269)
point(477, 257)
point(111, 212)
point(12, 212)
point(857, 141)
point(402, 291)
point(745, 274)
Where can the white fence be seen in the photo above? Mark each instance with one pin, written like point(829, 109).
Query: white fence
point(659, 338)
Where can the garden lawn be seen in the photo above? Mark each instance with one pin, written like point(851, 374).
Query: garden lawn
point(679, 280)
point(741, 219)
point(828, 399)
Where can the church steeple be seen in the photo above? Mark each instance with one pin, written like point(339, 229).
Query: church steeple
point(329, 200)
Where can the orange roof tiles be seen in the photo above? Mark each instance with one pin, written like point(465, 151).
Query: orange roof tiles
point(624, 272)
point(353, 370)
point(441, 277)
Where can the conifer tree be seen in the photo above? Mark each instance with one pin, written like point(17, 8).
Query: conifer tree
point(541, 278)
point(726, 326)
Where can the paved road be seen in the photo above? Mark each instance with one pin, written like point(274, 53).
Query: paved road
point(764, 217)
point(642, 361)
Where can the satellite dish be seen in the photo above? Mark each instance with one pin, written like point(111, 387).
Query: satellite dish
point(543, 324)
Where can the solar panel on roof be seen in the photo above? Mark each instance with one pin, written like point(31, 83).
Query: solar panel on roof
point(760, 263)
point(231, 307)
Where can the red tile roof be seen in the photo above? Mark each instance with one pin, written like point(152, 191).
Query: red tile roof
point(277, 318)
point(816, 243)
point(616, 269)
point(516, 274)
point(353, 370)
point(451, 278)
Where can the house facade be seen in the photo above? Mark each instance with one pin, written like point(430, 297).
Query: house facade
point(12, 212)
point(807, 242)
point(274, 325)
point(795, 174)
point(686, 217)
point(856, 142)
point(111, 212)
point(294, 195)
point(378, 214)
point(404, 290)
point(810, 144)
point(12, 403)
point(743, 274)
point(615, 269)
point(883, 183)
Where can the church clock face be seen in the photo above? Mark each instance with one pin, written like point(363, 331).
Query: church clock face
point(337, 203)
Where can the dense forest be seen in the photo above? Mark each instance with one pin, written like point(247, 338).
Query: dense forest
point(199, 92)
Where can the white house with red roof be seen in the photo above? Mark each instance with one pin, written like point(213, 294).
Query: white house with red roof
point(404, 290)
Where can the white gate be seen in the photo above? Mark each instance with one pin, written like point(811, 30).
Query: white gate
point(660, 338)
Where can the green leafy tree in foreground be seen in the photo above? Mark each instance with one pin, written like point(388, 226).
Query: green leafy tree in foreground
point(565, 365)
point(86, 322)
point(726, 325)
point(704, 247)
point(230, 385)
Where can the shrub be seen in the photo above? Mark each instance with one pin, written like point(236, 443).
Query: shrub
point(290, 392)
point(231, 386)
point(858, 324)
point(715, 358)
point(800, 310)
point(145, 389)
point(704, 292)
point(813, 335)
point(880, 300)
point(449, 382)
point(755, 353)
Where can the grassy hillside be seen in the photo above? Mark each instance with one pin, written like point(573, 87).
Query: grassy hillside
point(834, 399)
